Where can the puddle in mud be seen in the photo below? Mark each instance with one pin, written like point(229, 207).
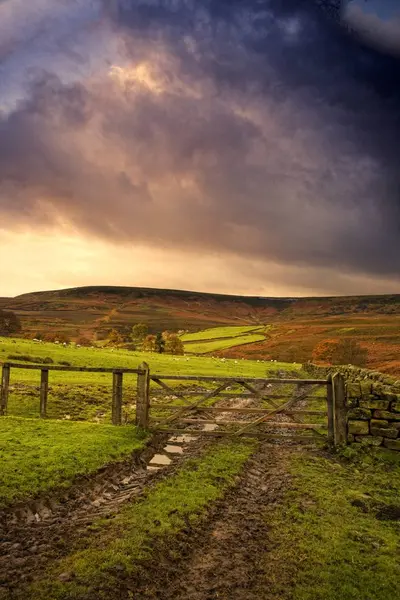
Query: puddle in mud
point(173, 449)
point(181, 439)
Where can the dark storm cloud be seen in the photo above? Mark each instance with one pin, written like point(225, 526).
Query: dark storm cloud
point(268, 131)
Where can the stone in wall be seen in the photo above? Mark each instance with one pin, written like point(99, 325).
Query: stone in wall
point(358, 427)
point(374, 403)
point(383, 428)
point(362, 414)
point(386, 414)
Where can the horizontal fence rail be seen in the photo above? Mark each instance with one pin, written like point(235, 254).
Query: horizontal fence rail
point(237, 379)
point(80, 369)
point(117, 385)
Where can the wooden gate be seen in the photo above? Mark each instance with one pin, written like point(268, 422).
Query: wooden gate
point(207, 405)
point(275, 408)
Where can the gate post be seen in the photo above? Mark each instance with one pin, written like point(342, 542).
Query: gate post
point(44, 388)
point(5, 384)
point(143, 398)
point(116, 409)
point(329, 401)
point(339, 410)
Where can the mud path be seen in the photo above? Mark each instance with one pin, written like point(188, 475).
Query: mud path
point(229, 560)
point(221, 559)
point(36, 532)
point(226, 556)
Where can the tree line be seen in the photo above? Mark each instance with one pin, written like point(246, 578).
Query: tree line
point(139, 336)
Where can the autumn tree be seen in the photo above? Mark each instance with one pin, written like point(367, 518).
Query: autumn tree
point(9, 323)
point(54, 336)
point(340, 352)
point(82, 340)
point(114, 338)
point(149, 343)
point(139, 332)
point(173, 343)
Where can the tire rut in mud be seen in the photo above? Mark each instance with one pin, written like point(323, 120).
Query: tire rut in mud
point(225, 557)
point(26, 548)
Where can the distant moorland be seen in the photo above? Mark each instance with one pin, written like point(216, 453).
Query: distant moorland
point(295, 325)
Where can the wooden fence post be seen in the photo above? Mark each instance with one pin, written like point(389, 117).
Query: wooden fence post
point(329, 401)
point(5, 384)
point(44, 388)
point(116, 411)
point(143, 398)
point(339, 409)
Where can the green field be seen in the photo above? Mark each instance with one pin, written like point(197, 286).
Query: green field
point(220, 332)
point(222, 344)
point(87, 396)
point(38, 455)
point(222, 338)
point(331, 536)
point(114, 358)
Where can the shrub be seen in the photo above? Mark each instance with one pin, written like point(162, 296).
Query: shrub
point(29, 358)
point(9, 323)
point(82, 340)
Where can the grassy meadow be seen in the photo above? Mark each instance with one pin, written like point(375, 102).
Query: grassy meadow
point(207, 347)
point(221, 332)
point(222, 338)
point(40, 454)
point(87, 396)
point(333, 536)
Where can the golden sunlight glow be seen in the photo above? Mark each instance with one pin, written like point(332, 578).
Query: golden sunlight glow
point(140, 75)
point(52, 260)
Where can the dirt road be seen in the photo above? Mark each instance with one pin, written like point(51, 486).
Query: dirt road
point(226, 556)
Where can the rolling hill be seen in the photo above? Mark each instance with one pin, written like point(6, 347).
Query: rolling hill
point(296, 324)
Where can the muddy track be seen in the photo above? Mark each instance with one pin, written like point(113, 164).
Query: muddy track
point(228, 558)
point(34, 533)
point(28, 540)
point(225, 556)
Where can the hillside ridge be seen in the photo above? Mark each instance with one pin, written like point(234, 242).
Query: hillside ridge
point(127, 290)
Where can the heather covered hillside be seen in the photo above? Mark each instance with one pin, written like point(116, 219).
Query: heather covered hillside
point(293, 327)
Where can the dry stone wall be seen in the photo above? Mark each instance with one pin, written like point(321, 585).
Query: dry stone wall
point(373, 405)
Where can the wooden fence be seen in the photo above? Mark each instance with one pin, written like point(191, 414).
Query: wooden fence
point(189, 414)
point(117, 387)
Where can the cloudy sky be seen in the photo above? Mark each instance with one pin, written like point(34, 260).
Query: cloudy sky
point(235, 146)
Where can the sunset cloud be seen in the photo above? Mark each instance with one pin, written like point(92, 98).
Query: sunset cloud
point(262, 135)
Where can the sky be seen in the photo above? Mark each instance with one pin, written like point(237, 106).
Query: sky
point(242, 146)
